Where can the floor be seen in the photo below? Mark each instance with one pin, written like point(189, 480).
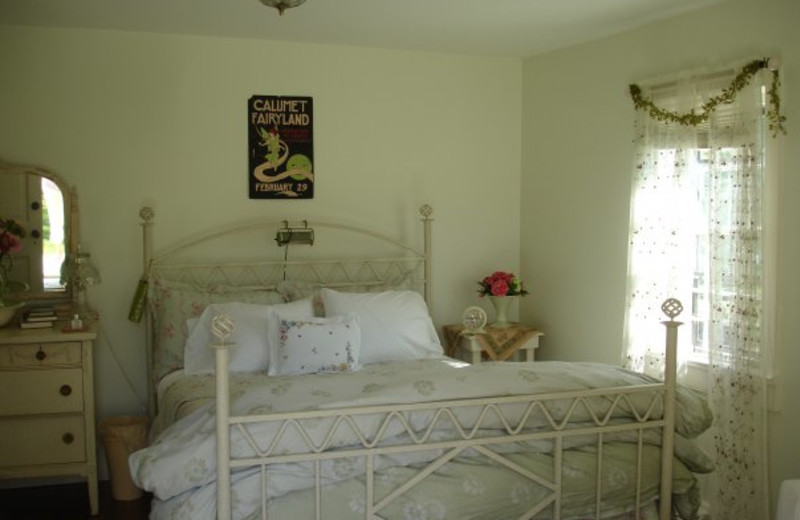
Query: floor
point(68, 502)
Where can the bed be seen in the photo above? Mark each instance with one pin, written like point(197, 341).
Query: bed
point(317, 388)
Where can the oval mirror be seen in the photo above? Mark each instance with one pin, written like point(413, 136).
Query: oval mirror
point(41, 204)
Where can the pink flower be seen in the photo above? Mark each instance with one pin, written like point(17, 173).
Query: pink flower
point(11, 234)
point(10, 243)
point(499, 287)
point(501, 283)
point(500, 275)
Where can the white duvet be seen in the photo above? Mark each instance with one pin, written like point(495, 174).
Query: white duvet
point(180, 465)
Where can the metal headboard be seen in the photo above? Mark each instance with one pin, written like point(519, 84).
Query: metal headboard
point(409, 268)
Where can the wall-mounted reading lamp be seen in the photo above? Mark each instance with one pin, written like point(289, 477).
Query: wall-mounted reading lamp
point(294, 235)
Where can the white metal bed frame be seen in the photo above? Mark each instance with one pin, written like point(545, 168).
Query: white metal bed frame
point(339, 273)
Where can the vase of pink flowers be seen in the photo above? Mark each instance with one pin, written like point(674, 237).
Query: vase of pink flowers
point(501, 287)
point(11, 234)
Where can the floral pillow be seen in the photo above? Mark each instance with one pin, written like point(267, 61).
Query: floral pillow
point(302, 345)
point(172, 303)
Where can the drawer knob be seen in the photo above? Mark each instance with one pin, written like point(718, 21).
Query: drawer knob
point(65, 390)
point(41, 354)
point(68, 438)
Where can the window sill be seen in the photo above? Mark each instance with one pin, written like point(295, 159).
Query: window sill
point(695, 374)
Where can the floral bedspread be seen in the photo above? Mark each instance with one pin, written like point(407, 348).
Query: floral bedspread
point(179, 466)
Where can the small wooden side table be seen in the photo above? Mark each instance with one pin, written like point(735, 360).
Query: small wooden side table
point(496, 344)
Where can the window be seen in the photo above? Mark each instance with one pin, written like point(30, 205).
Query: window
point(696, 231)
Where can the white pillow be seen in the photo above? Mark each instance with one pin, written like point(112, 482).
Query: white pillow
point(309, 345)
point(395, 325)
point(191, 323)
point(250, 352)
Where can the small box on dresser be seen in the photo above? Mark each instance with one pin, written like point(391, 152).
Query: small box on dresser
point(47, 423)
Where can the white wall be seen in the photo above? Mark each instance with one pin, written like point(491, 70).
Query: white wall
point(577, 158)
point(131, 119)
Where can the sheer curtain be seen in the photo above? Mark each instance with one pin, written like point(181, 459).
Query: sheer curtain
point(697, 233)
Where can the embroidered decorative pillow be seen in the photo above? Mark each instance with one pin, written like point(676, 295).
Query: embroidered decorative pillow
point(250, 352)
point(312, 345)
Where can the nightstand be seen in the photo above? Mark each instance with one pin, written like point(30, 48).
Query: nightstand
point(494, 344)
point(47, 425)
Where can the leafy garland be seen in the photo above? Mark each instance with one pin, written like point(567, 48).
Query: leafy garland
point(776, 120)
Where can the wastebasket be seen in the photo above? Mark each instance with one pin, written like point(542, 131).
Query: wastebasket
point(121, 437)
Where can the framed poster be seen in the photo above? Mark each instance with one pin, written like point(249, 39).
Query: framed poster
point(281, 147)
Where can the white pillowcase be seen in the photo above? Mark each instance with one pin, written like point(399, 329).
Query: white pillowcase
point(250, 352)
point(309, 345)
point(395, 325)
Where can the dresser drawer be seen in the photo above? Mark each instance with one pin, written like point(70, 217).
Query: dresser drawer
point(42, 440)
point(40, 354)
point(41, 391)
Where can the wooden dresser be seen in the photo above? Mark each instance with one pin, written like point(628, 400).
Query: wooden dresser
point(47, 424)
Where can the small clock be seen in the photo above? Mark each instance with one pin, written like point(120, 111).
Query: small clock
point(473, 319)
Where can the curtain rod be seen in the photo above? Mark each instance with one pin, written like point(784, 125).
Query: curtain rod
point(771, 64)
point(674, 83)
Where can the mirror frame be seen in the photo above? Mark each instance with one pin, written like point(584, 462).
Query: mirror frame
point(70, 225)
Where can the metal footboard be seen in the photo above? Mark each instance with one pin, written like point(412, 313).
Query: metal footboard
point(564, 415)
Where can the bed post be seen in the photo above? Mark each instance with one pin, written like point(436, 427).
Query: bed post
point(426, 210)
point(147, 214)
point(671, 308)
point(222, 327)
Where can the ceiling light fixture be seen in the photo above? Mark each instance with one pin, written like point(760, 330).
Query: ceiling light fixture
point(282, 5)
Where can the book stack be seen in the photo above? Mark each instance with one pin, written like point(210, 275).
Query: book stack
point(39, 318)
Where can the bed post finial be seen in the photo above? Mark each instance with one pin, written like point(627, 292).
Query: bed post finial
point(222, 328)
point(146, 213)
point(672, 307)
